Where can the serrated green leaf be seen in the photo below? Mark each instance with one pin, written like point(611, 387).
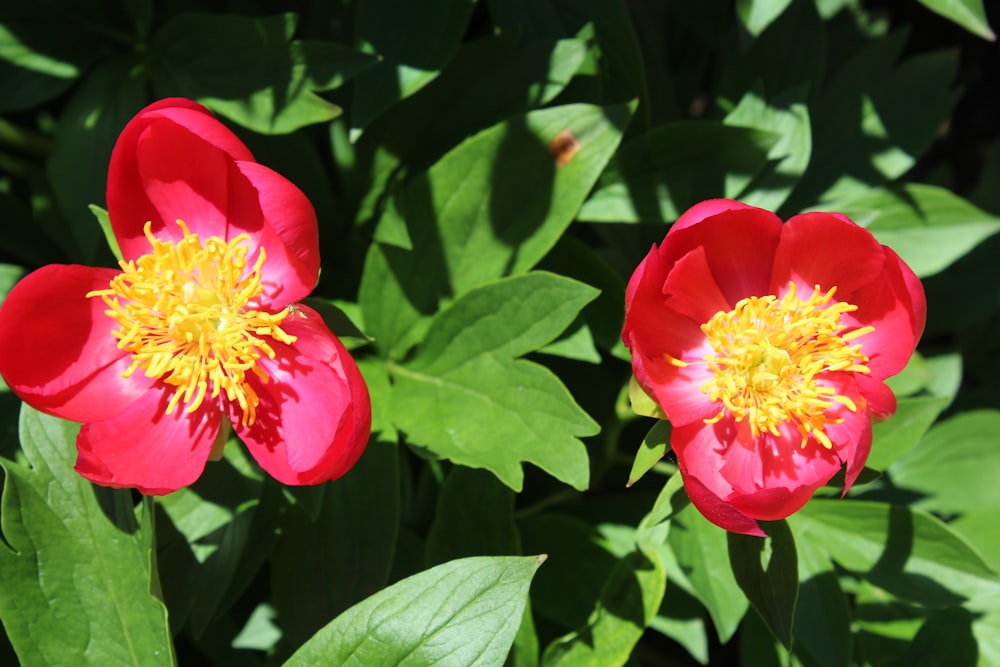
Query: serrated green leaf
point(465, 376)
point(494, 206)
point(248, 69)
point(955, 467)
point(928, 226)
point(73, 553)
point(904, 551)
point(766, 569)
point(702, 554)
point(658, 175)
point(627, 605)
point(967, 13)
point(463, 613)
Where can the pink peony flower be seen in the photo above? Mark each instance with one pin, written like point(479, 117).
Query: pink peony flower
point(196, 333)
point(766, 345)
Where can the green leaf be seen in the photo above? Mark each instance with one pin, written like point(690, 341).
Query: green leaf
point(701, 552)
point(627, 605)
point(967, 13)
point(657, 176)
point(465, 375)
point(213, 520)
point(955, 467)
point(475, 515)
point(109, 235)
point(492, 207)
point(40, 58)
point(904, 551)
point(928, 226)
point(248, 69)
point(892, 438)
point(75, 561)
point(944, 639)
point(767, 572)
point(788, 117)
point(322, 565)
point(87, 130)
point(756, 15)
point(822, 611)
point(489, 80)
point(463, 613)
point(653, 447)
point(567, 589)
point(413, 47)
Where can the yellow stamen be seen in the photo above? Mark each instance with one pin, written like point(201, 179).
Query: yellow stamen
point(184, 313)
point(769, 356)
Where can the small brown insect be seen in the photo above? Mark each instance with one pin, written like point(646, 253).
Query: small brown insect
point(564, 147)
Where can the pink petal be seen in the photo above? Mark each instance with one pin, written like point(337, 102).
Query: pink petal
point(895, 306)
point(285, 225)
point(147, 449)
point(57, 352)
point(718, 511)
point(692, 289)
point(881, 401)
point(739, 247)
point(828, 250)
point(202, 142)
point(314, 416)
point(707, 209)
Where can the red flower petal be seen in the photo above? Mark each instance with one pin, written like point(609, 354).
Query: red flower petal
point(707, 209)
point(739, 248)
point(896, 307)
point(57, 351)
point(314, 416)
point(202, 142)
point(286, 227)
point(828, 250)
point(146, 448)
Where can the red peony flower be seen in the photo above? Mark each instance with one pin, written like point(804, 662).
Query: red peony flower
point(766, 346)
point(197, 331)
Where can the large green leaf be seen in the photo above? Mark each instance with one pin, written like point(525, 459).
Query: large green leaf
point(488, 81)
point(76, 561)
point(88, 127)
point(412, 48)
point(463, 613)
point(627, 605)
point(822, 611)
point(904, 551)
point(787, 116)
point(955, 467)
point(756, 15)
point(325, 563)
point(493, 206)
point(466, 397)
point(967, 13)
point(40, 59)
point(475, 515)
point(766, 569)
point(928, 226)
point(250, 71)
point(658, 175)
point(702, 559)
point(892, 438)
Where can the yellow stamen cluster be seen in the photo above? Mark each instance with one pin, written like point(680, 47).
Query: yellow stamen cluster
point(769, 356)
point(184, 315)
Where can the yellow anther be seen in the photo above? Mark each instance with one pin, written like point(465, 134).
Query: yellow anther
point(770, 355)
point(185, 315)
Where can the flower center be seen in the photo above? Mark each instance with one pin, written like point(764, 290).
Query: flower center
point(185, 315)
point(770, 355)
